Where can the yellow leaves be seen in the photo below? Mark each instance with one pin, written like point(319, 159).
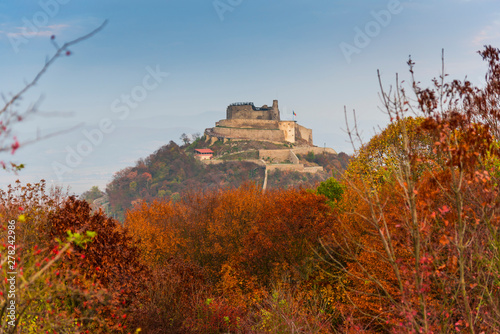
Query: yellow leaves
point(383, 155)
point(152, 227)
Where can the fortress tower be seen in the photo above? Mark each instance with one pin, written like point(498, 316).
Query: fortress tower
point(275, 112)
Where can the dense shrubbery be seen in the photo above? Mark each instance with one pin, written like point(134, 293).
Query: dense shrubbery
point(76, 270)
point(243, 243)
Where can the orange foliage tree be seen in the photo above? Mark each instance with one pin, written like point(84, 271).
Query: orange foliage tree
point(240, 227)
point(243, 241)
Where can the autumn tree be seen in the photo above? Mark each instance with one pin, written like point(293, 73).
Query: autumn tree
point(418, 225)
point(185, 139)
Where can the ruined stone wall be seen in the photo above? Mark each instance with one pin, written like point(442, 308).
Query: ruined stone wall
point(293, 158)
point(218, 162)
point(295, 168)
point(304, 133)
point(290, 154)
point(314, 169)
point(290, 167)
point(315, 150)
point(253, 134)
point(275, 155)
point(247, 112)
point(288, 128)
point(249, 123)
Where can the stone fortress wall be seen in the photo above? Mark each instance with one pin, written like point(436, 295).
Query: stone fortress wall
point(244, 121)
point(248, 123)
point(304, 133)
point(247, 110)
point(295, 168)
point(279, 156)
point(273, 135)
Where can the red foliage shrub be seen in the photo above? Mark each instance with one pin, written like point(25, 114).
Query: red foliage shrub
point(110, 260)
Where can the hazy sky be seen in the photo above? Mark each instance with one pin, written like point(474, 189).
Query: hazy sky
point(160, 68)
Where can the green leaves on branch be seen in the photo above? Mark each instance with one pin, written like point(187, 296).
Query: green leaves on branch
point(79, 239)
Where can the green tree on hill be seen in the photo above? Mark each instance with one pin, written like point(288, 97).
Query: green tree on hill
point(92, 194)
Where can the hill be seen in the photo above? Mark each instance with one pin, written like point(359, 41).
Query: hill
point(173, 170)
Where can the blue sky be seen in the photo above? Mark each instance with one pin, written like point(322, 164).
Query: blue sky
point(215, 53)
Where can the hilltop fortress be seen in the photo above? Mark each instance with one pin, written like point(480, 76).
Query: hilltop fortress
point(244, 121)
